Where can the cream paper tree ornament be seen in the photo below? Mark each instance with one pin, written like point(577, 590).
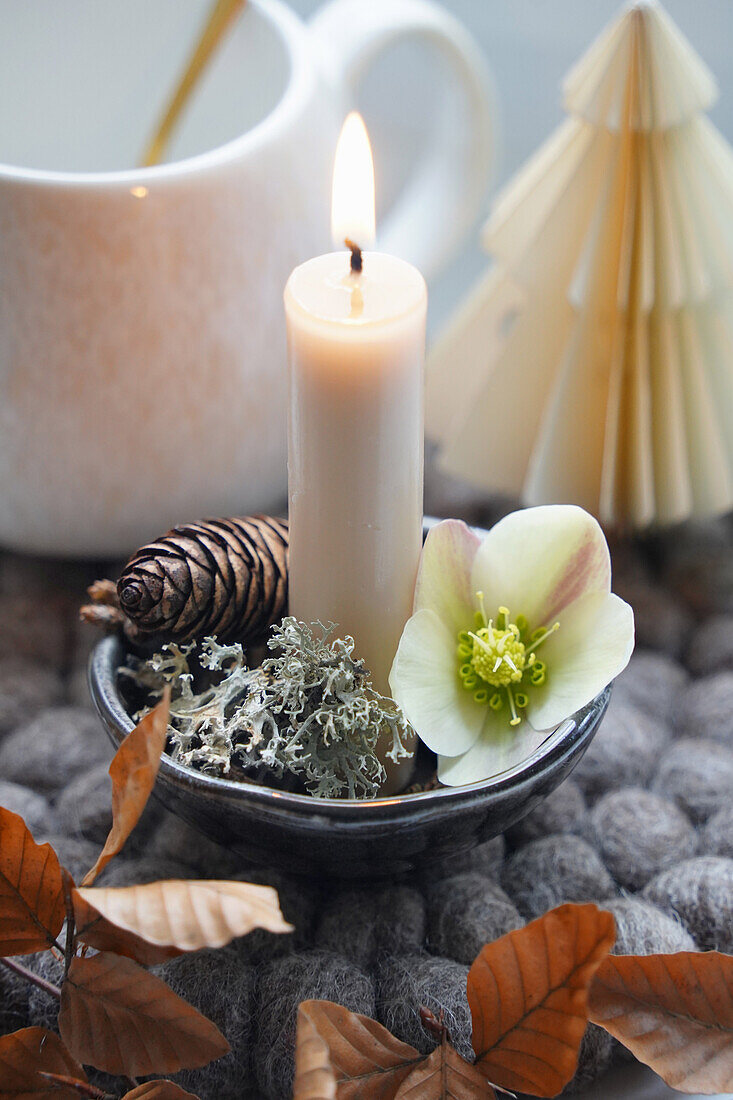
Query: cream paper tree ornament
point(594, 363)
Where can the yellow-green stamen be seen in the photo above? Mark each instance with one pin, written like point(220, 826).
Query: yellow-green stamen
point(500, 654)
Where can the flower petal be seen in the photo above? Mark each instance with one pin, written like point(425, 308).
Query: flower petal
point(444, 577)
point(539, 560)
point(499, 748)
point(424, 682)
point(592, 646)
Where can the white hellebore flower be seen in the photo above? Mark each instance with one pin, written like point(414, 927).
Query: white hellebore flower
point(519, 624)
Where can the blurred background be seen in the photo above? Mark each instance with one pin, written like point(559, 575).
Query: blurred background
point(529, 46)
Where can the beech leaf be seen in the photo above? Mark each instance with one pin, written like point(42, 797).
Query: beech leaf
point(25, 1055)
point(366, 1059)
point(94, 930)
point(674, 1012)
point(315, 1078)
point(189, 915)
point(32, 906)
point(116, 1016)
point(445, 1076)
point(528, 998)
point(159, 1090)
point(133, 772)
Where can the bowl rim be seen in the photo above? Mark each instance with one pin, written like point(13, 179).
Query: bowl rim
point(102, 670)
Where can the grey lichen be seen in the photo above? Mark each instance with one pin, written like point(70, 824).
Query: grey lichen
point(309, 710)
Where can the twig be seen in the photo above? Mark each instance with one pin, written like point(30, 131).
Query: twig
point(82, 1087)
point(36, 979)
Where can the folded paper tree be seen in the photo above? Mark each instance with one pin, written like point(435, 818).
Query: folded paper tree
point(596, 357)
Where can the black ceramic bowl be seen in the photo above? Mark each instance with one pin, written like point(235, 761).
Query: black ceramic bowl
point(349, 839)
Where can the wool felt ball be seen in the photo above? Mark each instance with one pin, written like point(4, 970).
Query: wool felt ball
point(643, 929)
point(222, 988)
point(594, 1058)
point(711, 646)
point(553, 870)
point(77, 687)
point(298, 899)
point(14, 993)
point(400, 920)
point(25, 689)
point(625, 752)
point(35, 810)
point(75, 854)
point(697, 775)
point(706, 709)
point(464, 913)
point(281, 985)
point(43, 1010)
point(365, 925)
point(716, 835)
point(140, 839)
point(700, 893)
point(698, 565)
point(638, 834)
point(347, 926)
point(49, 752)
point(563, 811)
point(35, 629)
point(136, 870)
point(652, 682)
point(173, 838)
point(84, 807)
point(407, 983)
point(661, 622)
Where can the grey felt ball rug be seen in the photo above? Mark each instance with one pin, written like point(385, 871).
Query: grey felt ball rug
point(644, 826)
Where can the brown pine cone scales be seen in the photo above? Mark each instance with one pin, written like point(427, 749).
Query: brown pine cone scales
point(223, 577)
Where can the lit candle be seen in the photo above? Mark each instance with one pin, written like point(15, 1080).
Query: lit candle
point(356, 336)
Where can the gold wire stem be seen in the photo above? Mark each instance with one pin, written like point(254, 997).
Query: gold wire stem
point(221, 17)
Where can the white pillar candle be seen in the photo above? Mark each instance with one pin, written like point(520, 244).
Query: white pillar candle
point(356, 353)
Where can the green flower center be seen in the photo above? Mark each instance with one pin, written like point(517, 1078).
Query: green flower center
point(498, 661)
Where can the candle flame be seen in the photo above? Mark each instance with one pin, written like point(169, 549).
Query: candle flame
point(352, 205)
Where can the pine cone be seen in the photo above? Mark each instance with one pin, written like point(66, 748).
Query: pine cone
point(224, 577)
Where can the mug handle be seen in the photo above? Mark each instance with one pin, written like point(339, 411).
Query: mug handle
point(441, 202)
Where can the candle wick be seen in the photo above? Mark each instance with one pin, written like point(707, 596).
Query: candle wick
point(356, 256)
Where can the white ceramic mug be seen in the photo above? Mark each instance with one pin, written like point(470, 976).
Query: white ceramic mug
point(142, 357)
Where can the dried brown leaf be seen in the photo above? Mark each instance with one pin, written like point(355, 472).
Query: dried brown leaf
point(94, 930)
point(528, 997)
point(368, 1061)
point(32, 907)
point(116, 1016)
point(191, 914)
point(674, 1012)
point(159, 1090)
point(445, 1076)
point(315, 1078)
point(25, 1055)
point(133, 772)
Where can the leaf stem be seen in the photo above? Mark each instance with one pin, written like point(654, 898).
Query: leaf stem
point(82, 1087)
point(70, 945)
point(36, 979)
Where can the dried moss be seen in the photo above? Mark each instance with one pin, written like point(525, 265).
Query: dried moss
point(308, 711)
